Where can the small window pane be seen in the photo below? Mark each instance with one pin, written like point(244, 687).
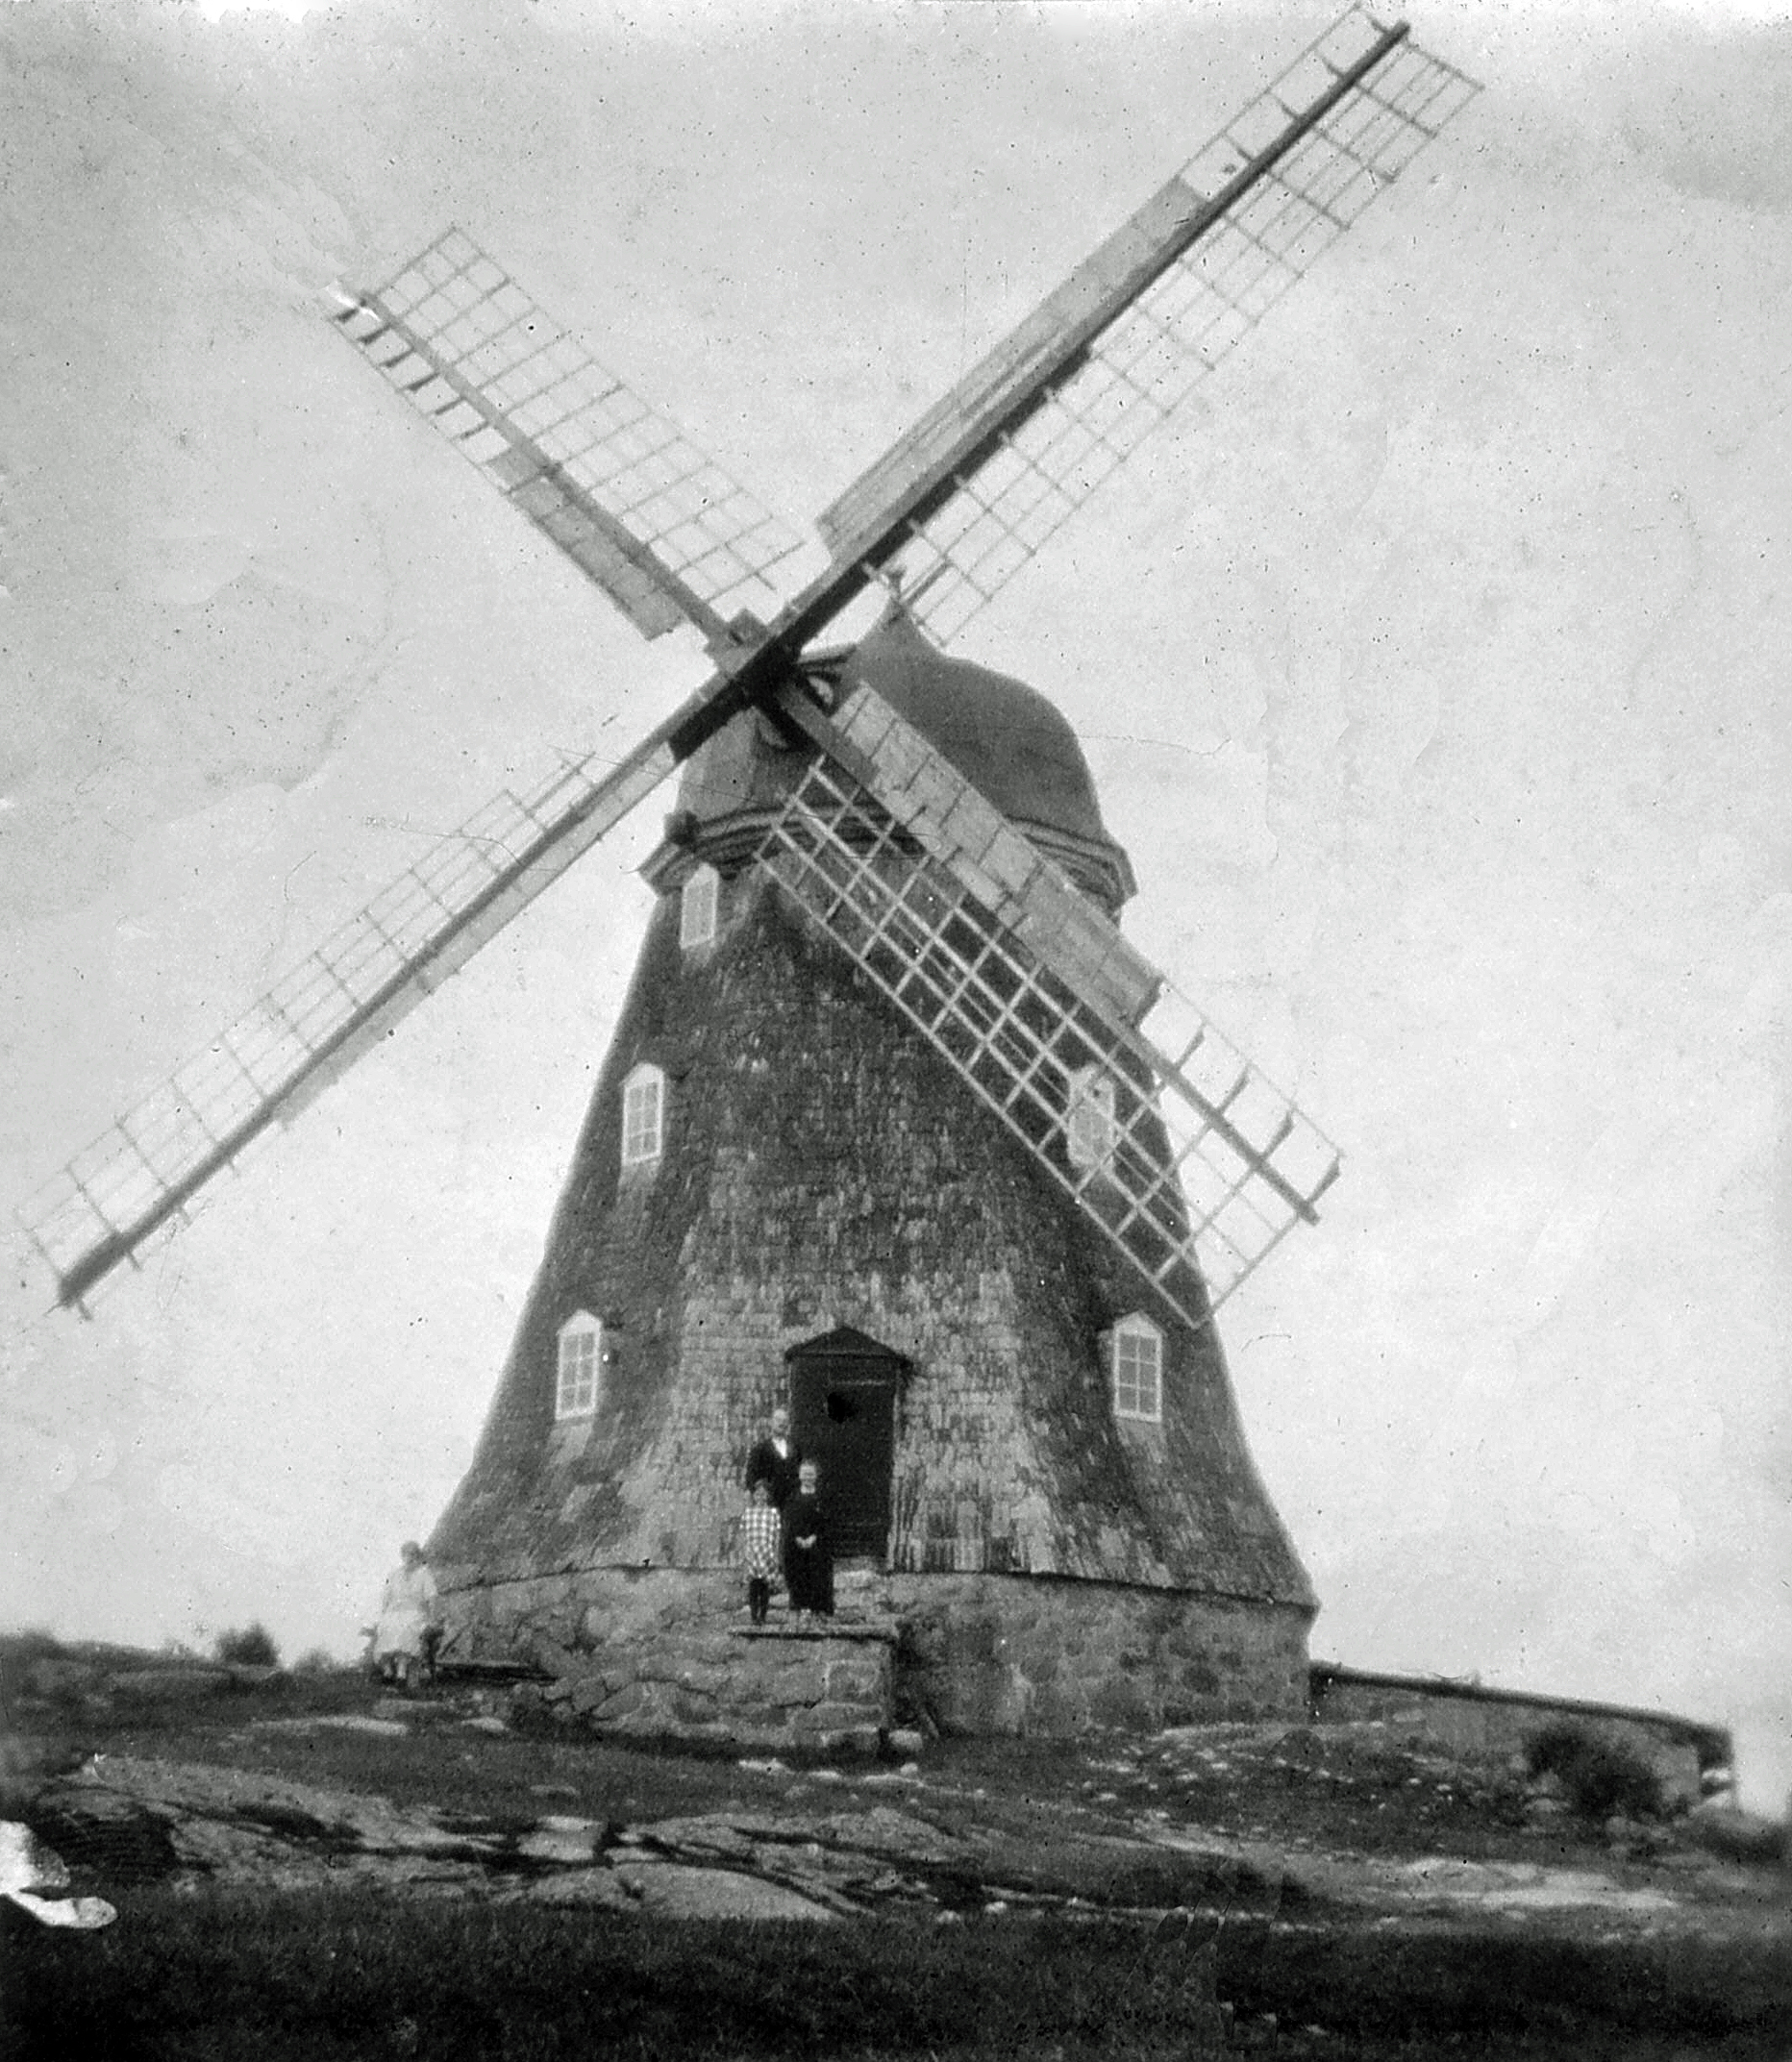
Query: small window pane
point(642, 1109)
point(1089, 1119)
point(697, 908)
point(576, 1390)
point(1138, 1373)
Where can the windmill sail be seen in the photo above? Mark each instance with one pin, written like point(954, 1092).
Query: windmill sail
point(662, 529)
point(139, 1176)
point(999, 464)
point(1190, 1161)
point(954, 510)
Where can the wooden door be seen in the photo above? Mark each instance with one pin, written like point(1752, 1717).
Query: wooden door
point(843, 1418)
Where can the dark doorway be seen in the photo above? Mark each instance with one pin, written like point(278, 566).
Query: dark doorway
point(843, 1390)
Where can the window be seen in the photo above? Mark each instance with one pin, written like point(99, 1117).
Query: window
point(643, 1115)
point(1089, 1118)
point(581, 1353)
point(1135, 1347)
point(697, 908)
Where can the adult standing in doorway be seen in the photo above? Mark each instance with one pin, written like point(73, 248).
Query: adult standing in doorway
point(808, 1556)
point(775, 1461)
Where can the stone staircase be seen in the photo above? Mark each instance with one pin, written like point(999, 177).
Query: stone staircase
point(820, 1686)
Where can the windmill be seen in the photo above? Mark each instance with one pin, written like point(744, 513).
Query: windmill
point(887, 871)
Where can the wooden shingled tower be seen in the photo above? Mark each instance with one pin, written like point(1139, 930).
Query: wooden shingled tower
point(895, 1129)
point(818, 1209)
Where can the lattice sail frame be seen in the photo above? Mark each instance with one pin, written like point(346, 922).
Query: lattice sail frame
point(133, 1180)
point(667, 535)
point(955, 507)
point(1325, 164)
point(1030, 992)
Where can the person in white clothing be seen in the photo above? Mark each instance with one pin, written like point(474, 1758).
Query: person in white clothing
point(401, 1640)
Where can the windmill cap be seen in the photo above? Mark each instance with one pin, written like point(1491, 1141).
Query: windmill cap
point(1004, 737)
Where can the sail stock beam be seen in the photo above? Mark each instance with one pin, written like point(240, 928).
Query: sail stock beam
point(302, 1033)
point(666, 534)
point(1200, 1165)
point(1014, 972)
point(962, 501)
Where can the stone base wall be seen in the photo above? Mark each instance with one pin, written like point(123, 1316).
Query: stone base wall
point(659, 1649)
point(731, 1687)
point(591, 1612)
point(992, 1654)
point(667, 1653)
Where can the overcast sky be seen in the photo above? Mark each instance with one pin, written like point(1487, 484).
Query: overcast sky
point(1431, 671)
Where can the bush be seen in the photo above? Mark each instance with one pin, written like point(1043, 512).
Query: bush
point(251, 1647)
point(31, 1643)
point(1599, 1776)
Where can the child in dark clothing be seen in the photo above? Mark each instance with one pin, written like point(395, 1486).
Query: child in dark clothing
point(760, 1540)
point(808, 1559)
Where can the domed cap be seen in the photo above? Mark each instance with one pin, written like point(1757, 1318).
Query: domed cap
point(1003, 737)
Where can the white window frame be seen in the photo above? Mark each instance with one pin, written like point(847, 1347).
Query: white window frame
point(1136, 1370)
point(1090, 1129)
point(578, 1366)
point(699, 908)
point(643, 1115)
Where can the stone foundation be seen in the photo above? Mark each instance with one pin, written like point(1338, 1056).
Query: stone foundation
point(659, 1651)
point(992, 1654)
point(734, 1687)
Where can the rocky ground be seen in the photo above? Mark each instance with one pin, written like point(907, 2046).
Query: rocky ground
point(828, 1843)
point(205, 1779)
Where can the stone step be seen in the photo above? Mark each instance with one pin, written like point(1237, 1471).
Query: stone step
point(887, 1630)
point(810, 1687)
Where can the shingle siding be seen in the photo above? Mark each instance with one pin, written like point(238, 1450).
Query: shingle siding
point(822, 1166)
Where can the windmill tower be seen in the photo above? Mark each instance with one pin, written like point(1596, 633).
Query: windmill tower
point(787, 1192)
point(895, 1124)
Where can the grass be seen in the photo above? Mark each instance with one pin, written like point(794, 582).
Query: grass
point(1508, 1991)
point(359, 1975)
point(217, 1976)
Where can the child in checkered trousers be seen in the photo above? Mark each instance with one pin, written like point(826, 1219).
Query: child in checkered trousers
point(762, 1541)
